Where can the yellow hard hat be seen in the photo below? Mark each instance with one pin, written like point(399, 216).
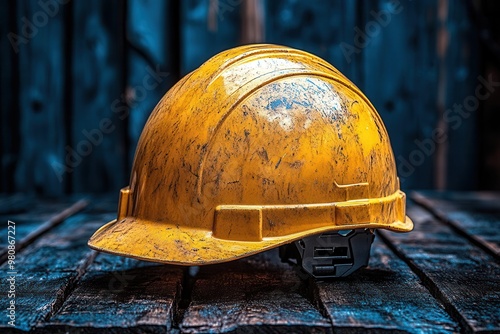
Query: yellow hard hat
point(261, 146)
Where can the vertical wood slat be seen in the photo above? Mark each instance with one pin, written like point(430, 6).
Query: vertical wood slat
point(252, 21)
point(41, 97)
point(198, 41)
point(9, 117)
point(151, 60)
point(398, 55)
point(409, 99)
point(400, 65)
point(320, 27)
point(442, 46)
point(463, 70)
point(97, 151)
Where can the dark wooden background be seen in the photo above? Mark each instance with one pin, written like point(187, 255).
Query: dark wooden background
point(70, 68)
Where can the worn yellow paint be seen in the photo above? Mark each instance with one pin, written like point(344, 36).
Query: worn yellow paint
point(260, 146)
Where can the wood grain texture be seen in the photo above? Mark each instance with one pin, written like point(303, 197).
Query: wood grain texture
point(27, 233)
point(9, 137)
point(14, 204)
point(97, 152)
point(200, 39)
point(462, 276)
point(403, 92)
point(409, 95)
point(446, 285)
point(152, 55)
point(385, 297)
point(76, 71)
point(258, 294)
point(48, 269)
point(473, 215)
point(29, 212)
point(37, 293)
point(58, 290)
point(319, 27)
point(119, 295)
point(41, 98)
point(463, 67)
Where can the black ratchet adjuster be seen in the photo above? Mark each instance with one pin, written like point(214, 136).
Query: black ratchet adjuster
point(329, 255)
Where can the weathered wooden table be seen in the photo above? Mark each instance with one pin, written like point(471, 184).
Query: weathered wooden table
point(442, 277)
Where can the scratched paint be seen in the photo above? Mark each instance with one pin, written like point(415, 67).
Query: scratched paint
point(260, 146)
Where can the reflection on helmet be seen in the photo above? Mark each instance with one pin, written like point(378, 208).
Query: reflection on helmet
point(259, 147)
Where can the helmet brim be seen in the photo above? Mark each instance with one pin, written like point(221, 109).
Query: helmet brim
point(164, 243)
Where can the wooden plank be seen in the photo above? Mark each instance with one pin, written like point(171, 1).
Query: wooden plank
point(29, 212)
point(320, 27)
point(463, 69)
point(57, 290)
point(459, 274)
point(119, 295)
point(97, 154)
point(12, 204)
point(41, 78)
point(9, 117)
point(47, 270)
point(207, 28)
point(27, 207)
point(475, 216)
point(27, 234)
point(402, 93)
point(152, 62)
point(36, 294)
point(484, 15)
point(385, 297)
point(409, 94)
point(258, 294)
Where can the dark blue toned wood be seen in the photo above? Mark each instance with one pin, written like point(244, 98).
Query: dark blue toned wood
point(42, 90)
point(446, 285)
point(473, 215)
point(403, 78)
point(74, 70)
point(120, 295)
point(48, 269)
point(386, 296)
point(14, 204)
point(460, 275)
point(397, 42)
point(9, 117)
point(463, 68)
point(258, 294)
point(152, 68)
point(36, 294)
point(61, 286)
point(319, 27)
point(97, 153)
point(206, 32)
point(43, 216)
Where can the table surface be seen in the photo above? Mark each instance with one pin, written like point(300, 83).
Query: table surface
point(442, 277)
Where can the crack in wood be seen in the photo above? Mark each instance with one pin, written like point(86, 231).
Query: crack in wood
point(428, 283)
point(428, 205)
point(66, 290)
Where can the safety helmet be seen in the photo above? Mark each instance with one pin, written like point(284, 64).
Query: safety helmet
point(261, 146)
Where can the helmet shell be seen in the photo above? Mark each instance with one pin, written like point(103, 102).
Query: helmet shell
point(260, 146)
